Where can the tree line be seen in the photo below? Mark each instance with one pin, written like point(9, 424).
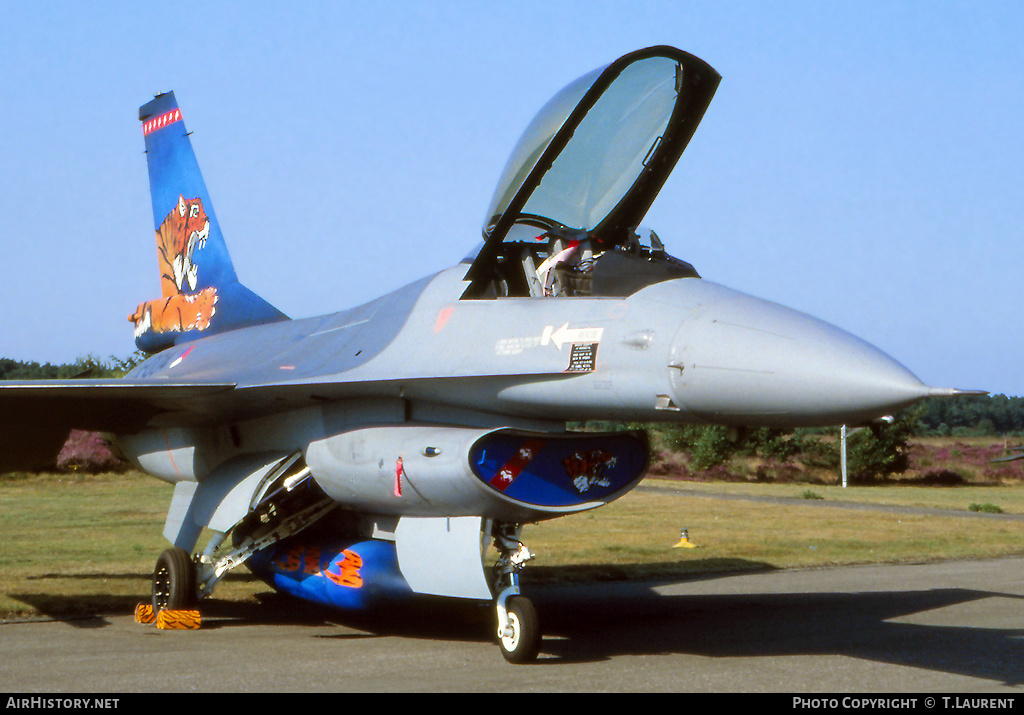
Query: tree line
point(87, 366)
point(969, 416)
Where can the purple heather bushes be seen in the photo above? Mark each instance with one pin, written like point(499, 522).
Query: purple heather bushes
point(973, 462)
point(944, 464)
point(88, 452)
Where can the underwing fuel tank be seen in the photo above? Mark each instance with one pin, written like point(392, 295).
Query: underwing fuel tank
point(341, 572)
point(500, 474)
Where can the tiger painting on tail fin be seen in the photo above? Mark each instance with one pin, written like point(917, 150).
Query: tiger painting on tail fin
point(183, 232)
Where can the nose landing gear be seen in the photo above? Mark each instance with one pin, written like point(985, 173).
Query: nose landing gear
point(519, 635)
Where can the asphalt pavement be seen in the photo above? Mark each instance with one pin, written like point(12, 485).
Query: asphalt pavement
point(947, 627)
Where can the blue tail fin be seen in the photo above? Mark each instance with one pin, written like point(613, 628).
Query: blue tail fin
point(201, 293)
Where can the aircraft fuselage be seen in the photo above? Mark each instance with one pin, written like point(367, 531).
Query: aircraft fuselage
point(421, 370)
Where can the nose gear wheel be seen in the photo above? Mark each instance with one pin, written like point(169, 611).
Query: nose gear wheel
point(520, 642)
point(519, 635)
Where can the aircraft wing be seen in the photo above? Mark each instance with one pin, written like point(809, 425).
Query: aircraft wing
point(37, 415)
point(125, 405)
point(109, 405)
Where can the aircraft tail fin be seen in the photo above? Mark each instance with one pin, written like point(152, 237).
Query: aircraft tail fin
point(201, 294)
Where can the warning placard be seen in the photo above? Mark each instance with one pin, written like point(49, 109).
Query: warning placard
point(582, 358)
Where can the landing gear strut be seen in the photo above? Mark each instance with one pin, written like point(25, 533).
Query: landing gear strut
point(519, 634)
point(179, 581)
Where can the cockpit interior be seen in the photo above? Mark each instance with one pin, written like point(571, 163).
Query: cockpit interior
point(538, 260)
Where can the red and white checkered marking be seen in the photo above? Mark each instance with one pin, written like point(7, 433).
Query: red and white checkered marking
point(160, 122)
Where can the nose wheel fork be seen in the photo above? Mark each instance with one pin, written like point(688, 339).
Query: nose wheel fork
point(519, 633)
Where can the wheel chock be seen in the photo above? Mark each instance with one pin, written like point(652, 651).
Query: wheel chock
point(181, 620)
point(684, 542)
point(144, 614)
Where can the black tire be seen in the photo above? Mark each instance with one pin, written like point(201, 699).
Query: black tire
point(524, 644)
point(174, 581)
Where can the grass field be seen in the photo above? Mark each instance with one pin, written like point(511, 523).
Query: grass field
point(636, 535)
point(74, 544)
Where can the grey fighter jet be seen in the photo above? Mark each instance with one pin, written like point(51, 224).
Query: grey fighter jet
point(366, 457)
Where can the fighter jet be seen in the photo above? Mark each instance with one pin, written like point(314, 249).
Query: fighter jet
point(366, 457)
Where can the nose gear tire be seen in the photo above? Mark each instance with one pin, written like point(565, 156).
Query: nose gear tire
point(523, 645)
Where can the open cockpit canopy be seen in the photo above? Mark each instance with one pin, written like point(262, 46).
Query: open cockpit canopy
point(564, 218)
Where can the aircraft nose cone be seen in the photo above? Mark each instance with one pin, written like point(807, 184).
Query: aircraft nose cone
point(737, 359)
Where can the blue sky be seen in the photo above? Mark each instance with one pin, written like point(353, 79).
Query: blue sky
point(862, 161)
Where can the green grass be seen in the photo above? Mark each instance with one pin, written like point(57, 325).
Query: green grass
point(1009, 497)
point(635, 536)
point(81, 544)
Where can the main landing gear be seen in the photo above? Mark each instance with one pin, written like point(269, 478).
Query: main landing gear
point(174, 581)
point(519, 634)
point(180, 581)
